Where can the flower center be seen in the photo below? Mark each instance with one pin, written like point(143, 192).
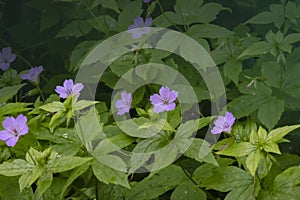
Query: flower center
point(15, 132)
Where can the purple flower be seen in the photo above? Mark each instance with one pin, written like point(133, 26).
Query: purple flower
point(124, 103)
point(69, 89)
point(33, 74)
point(165, 100)
point(14, 128)
point(146, 1)
point(223, 123)
point(6, 57)
point(139, 28)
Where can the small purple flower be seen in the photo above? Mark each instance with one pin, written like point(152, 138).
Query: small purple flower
point(6, 57)
point(139, 28)
point(33, 74)
point(146, 1)
point(165, 100)
point(124, 103)
point(69, 89)
point(223, 123)
point(14, 128)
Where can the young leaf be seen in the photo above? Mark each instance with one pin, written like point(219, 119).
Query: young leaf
point(238, 149)
point(277, 134)
point(53, 107)
point(252, 161)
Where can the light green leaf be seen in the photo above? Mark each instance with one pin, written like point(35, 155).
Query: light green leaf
point(188, 190)
point(276, 134)
point(15, 168)
point(65, 163)
point(79, 105)
point(27, 179)
point(252, 161)
point(43, 184)
point(271, 147)
point(12, 108)
point(54, 106)
point(108, 175)
point(238, 149)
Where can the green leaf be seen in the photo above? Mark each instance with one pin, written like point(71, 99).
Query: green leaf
point(208, 31)
point(54, 106)
point(127, 16)
point(73, 176)
point(252, 161)
point(27, 179)
point(157, 184)
point(8, 92)
point(292, 38)
point(79, 105)
point(271, 147)
point(274, 106)
point(198, 150)
point(277, 134)
point(262, 18)
point(15, 168)
point(258, 48)
point(108, 175)
point(65, 163)
point(228, 178)
point(286, 184)
point(186, 130)
point(76, 28)
point(110, 4)
point(238, 149)
point(232, 69)
point(12, 108)
point(43, 184)
point(9, 189)
point(188, 190)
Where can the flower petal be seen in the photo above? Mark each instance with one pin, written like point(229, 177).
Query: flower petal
point(158, 108)
point(164, 91)
point(171, 106)
point(4, 135)
point(77, 88)
point(155, 99)
point(21, 123)
point(138, 21)
point(148, 22)
point(9, 124)
point(61, 91)
point(68, 84)
point(12, 141)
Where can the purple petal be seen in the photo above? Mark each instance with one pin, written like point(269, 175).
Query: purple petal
point(77, 88)
point(136, 34)
point(123, 110)
point(127, 97)
point(164, 91)
point(229, 118)
point(61, 91)
point(220, 121)
point(6, 52)
point(138, 21)
point(146, 1)
point(68, 84)
point(12, 141)
point(173, 95)
point(9, 123)
point(148, 22)
point(131, 27)
point(155, 99)
point(4, 66)
point(120, 104)
point(216, 130)
point(4, 135)
point(22, 127)
point(158, 108)
point(25, 77)
point(171, 106)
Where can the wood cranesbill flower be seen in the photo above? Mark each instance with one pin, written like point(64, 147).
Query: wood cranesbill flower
point(139, 28)
point(146, 1)
point(6, 57)
point(123, 104)
point(69, 89)
point(164, 100)
point(33, 74)
point(13, 129)
point(223, 123)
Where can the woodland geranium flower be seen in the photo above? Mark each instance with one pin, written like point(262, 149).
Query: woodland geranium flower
point(33, 74)
point(6, 57)
point(139, 28)
point(164, 100)
point(69, 89)
point(123, 104)
point(13, 129)
point(146, 1)
point(223, 123)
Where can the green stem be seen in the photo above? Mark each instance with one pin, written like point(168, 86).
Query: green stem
point(40, 91)
point(181, 16)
